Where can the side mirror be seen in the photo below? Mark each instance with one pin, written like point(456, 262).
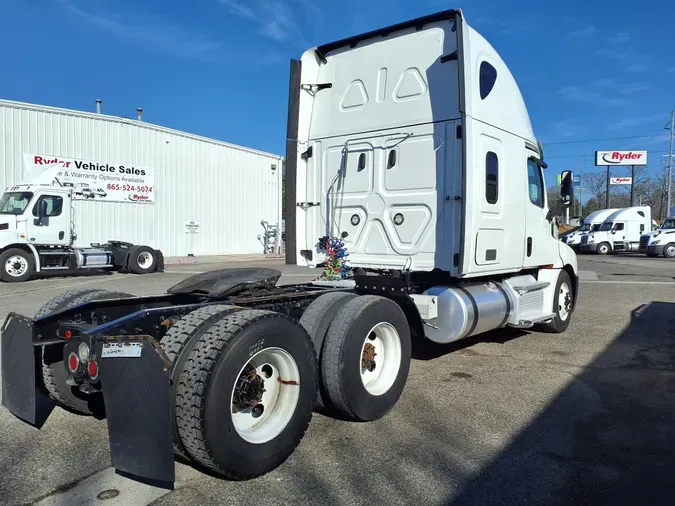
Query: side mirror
point(42, 209)
point(566, 188)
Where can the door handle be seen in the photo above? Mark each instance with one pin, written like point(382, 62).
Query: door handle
point(529, 246)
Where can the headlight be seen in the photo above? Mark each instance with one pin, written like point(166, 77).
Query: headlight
point(656, 241)
point(83, 352)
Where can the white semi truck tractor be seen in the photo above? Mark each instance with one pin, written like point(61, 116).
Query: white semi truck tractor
point(660, 241)
point(37, 236)
point(591, 223)
point(412, 144)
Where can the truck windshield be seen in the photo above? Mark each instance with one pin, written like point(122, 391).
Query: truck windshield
point(585, 228)
point(606, 226)
point(668, 224)
point(595, 228)
point(14, 202)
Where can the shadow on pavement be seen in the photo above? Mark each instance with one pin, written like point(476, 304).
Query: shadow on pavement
point(608, 438)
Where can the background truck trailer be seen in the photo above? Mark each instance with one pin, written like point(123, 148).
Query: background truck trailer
point(402, 138)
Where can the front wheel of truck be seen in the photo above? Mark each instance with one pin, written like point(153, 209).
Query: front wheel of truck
point(563, 302)
point(54, 371)
point(247, 393)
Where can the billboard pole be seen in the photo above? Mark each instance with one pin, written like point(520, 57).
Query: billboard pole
point(670, 161)
point(632, 185)
point(607, 194)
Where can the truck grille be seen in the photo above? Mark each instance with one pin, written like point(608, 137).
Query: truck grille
point(584, 239)
point(644, 241)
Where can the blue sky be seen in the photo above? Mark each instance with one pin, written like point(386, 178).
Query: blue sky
point(592, 69)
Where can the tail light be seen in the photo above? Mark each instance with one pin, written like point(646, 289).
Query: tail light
point(92, 369)
point(73, 362)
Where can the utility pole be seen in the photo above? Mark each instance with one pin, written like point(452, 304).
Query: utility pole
point(632, 186)
point(581, 188)
point(670, 161)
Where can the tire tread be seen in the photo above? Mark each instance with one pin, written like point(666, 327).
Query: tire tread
point(195, 380)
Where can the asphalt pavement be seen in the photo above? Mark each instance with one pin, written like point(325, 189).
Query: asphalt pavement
point(507, 417)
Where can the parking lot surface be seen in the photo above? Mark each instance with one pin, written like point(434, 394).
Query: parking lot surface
point(507, 417)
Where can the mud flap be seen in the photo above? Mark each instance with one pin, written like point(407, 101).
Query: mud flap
point(136, 392)
point(20, 394)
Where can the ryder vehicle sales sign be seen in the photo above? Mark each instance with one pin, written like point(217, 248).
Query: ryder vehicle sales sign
point(92, 180)
point(620, 158)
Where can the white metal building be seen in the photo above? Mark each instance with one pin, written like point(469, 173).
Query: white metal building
point(145, 183)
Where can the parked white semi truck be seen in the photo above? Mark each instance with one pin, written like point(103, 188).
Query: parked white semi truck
point(37, 236)
point(660, 241)
point(620, 232)
point(592, 223)
point(412, 143)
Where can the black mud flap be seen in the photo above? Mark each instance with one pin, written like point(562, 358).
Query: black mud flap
point(136, 392)
point(20, 394)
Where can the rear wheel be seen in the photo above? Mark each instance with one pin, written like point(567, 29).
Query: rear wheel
point(247, 393)
point(177, 344)
point(142, 259)
point(317, 319)
point(54, 370)
point(366, 358)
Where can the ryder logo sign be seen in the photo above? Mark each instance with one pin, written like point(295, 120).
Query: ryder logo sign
point(620, 180)
point(91, 179)
point(620, 158)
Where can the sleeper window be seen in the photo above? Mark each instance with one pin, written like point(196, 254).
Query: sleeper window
point(487, 78)
point(491, 178)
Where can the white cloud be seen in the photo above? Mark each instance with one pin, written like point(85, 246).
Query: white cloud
point(619, 38)
point(162, 36)
point(583, 31)
point(275, 19)
point(637, 67)
point(579, 94)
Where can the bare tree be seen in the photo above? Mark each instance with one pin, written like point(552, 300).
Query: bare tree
point(595, 184)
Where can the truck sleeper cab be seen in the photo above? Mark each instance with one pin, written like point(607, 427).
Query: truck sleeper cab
point(413, 144)
point(37, 236)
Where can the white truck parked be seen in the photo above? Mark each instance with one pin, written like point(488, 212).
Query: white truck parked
point(414, 145)
point(37, 236)
point(592, 223)
point(620, 232)
point(660, 241)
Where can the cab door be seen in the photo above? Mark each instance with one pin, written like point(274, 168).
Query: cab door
point(540, 244)
point(54, 226)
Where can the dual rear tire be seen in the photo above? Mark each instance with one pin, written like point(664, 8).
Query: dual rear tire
point(244, 387)
point(364, 348)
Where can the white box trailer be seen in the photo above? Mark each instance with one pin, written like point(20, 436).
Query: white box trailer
point(412, 143)
point(141, 183)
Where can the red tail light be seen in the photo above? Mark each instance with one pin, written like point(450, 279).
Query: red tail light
point(67, 334)
point(92, 368)
point(73, 362)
